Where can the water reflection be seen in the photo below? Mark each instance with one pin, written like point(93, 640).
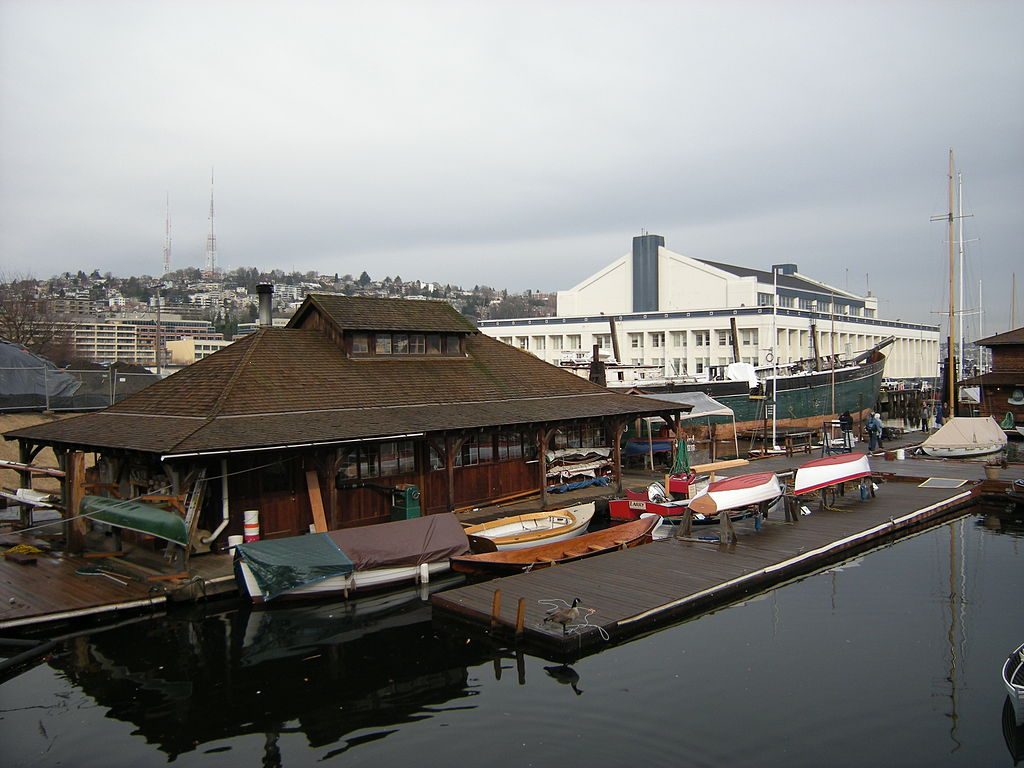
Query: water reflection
point(324, 670)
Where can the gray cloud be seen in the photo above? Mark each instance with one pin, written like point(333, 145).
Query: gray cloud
point(519, 145)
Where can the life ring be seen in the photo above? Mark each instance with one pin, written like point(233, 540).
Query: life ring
point(769, 357)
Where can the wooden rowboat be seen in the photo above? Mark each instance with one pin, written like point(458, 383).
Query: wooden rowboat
point(736, 493)
point(528, 530)
point(508, 561)
point(830, 470)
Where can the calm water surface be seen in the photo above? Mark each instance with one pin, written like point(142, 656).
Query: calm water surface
point(889, 660)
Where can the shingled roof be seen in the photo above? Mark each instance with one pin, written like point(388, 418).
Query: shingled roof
point(290, 386)
point(375, 314)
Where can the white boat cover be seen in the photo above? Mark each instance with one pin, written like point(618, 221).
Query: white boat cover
point(966, 434)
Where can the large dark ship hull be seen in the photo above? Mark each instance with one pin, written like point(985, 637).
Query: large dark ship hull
point(803, 400)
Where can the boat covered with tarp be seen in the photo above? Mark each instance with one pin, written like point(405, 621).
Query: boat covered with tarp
point(349, 560)
point(136, 516)
point(966, 436)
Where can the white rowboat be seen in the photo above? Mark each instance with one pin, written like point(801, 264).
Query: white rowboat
point(529, 530)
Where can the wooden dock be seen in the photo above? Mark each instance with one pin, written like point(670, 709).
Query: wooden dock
point(55, 588)
point(630, 592)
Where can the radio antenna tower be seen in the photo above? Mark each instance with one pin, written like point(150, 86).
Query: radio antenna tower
point(167, 238)
point(211, 239)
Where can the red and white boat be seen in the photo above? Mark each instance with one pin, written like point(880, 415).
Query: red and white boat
point(736, 493)
point(830, 470)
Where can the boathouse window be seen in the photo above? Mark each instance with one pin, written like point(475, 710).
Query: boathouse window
point(603, 340)
point(636, 341)
point(360, 343)
point(383, 344)
point(523, 342)
point(702, 338)
point(510, 446)
point(470, 454)
point(748, 337)
point(764, 299)
point(678, 338)
point(556, 343)
point(785, 301)
point(451, 343)
point(806, 304)
point(572, 341)
point(724, 338)
point(658, 339)
point(417, 344)
point(400, 343)
point(392, 457)
point(538, 343)
point(433, 344)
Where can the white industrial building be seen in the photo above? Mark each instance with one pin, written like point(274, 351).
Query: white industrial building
point(678, 313)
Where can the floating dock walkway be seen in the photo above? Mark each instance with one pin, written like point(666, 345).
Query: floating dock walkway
point(630, 592)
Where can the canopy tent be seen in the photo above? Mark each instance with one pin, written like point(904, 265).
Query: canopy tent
point(700, 406)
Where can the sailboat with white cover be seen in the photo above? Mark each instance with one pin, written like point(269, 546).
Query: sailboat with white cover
point(964, 437)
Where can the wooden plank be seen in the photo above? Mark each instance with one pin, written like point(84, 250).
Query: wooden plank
point(315, 501)
point(716, 465)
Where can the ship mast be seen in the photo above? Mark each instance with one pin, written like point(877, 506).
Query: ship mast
point(950, 369)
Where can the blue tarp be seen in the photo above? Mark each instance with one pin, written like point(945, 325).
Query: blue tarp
point(577, 485)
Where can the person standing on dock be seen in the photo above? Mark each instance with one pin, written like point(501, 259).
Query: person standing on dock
point(938, 414)
point(926, 416)
point(874, 427)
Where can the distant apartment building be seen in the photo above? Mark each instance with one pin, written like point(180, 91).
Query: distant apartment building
point(679, 314)
point(133, 340)
point(72, 307)
point(189, 350)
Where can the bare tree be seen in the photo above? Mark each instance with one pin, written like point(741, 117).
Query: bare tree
point(27, 320)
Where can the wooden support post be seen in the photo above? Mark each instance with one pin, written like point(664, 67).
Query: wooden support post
point(74, 490)
point(686, 527)
point(542, 454)
point(520, 617)
point(727, 533)
point(495, 609)
point(617, 428)
point(521, 666)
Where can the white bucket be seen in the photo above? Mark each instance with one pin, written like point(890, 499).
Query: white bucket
point(901, 454)
point(252, 524)
point(234, 541)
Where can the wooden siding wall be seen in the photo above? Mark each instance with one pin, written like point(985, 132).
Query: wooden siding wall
point(1008, 358)
point(273, 483)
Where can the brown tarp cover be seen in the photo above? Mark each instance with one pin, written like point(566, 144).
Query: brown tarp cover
point(405, 542)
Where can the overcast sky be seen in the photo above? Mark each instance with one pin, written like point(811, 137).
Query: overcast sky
point(518, 145)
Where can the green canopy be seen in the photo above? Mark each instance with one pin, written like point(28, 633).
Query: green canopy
point(136, 516)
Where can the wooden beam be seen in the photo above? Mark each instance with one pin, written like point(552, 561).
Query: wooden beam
point(316, 501)
point(74, 491)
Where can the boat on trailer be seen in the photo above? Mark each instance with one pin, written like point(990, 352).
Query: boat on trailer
point(528, 530)
point(349, 561)
point(830, 470)
point(624, 536)
point(736, 493)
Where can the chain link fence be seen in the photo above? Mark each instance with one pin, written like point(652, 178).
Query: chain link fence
point(45, 388)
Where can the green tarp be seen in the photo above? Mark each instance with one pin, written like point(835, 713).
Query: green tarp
point(136, 516)
point(280, 565)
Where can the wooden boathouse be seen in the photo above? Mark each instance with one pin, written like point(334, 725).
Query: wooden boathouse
point(361, 410)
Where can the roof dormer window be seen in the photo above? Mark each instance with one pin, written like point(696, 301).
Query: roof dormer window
point(381, 344)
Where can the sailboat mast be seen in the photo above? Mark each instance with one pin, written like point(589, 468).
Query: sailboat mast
point(960, 291)
point(950, 370)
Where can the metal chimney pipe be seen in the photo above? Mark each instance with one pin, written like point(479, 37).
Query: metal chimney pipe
point(265, 291)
